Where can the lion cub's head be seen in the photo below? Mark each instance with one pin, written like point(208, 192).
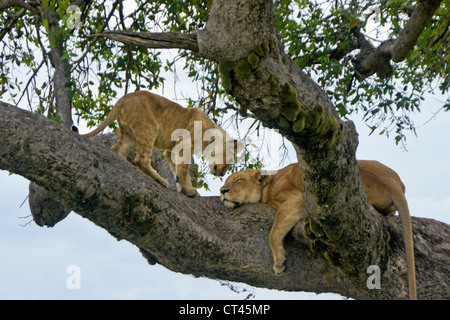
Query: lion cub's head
point(220, 163)
point(243, 187)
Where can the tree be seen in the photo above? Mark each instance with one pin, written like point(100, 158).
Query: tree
point(253, 53)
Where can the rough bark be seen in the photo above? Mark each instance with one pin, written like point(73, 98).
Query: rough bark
point(199, 236)
point(46, 211)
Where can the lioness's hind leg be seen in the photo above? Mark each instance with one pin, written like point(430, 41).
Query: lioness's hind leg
point(288, 214)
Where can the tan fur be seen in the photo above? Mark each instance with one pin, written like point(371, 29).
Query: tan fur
point(283, 191)
point(147, 121)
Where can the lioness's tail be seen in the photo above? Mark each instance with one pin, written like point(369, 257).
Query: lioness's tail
point(107, 121)
point(405, 217)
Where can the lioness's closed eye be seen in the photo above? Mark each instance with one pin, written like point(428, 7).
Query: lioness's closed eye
point(284, 192)
point(149, 121)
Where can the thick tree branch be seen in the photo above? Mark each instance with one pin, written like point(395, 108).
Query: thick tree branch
point(197, 236)
point(377, 60)
point(166, 40)
point(46, 211)
point(62, 93)
point(419, 19)
point(6, 4)
point(194, 236)
point(12, 22)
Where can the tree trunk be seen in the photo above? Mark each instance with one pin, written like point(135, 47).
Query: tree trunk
point(199, 236)
point(267, 82)
point(45, 210)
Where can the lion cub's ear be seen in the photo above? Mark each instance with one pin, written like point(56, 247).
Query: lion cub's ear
point(263, 177)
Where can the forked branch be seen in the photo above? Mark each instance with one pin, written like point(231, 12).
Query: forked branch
point(377, 60)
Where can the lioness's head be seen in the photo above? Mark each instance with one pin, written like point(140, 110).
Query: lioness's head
point(221, 163)
point(243, 187)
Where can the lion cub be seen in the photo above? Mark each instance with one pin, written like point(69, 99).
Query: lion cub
point(284, 192)
point(148, 121)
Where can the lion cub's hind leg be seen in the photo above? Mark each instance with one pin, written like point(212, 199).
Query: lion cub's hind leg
point(182, 176)
point(143, 160)
point(287, 216)
point(126, 142)
point(144, 141)
point(184, 182)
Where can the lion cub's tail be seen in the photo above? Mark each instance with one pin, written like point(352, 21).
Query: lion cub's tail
point(107, 121)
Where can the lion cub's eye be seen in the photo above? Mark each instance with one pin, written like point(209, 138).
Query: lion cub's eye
point(237, 180)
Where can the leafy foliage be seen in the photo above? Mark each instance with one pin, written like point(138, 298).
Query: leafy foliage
point(325, 43)
point(318, 35)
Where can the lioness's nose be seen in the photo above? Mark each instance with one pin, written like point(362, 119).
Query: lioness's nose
point(224, 190)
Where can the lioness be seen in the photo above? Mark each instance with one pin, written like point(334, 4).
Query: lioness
point(148, 121)
point(283, 191)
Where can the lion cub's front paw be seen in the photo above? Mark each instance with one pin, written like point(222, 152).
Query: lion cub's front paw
point(190, 192)
point(279, 265)
point(278, 269)
point(163, 181)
